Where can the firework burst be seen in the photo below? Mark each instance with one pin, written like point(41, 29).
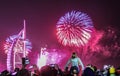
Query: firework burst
point(19, 44)
point(74, 29)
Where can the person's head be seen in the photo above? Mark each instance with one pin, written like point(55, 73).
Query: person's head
point(73, 55)
point(16, 69)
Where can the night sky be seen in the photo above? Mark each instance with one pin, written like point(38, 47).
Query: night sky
point(42, 15)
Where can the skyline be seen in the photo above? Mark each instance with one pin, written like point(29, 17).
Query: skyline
point(41, 18)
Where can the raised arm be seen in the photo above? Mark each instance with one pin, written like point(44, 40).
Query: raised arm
point(67, 64)
point(80, 63)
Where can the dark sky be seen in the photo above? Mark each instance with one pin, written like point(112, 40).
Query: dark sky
point(42, 15)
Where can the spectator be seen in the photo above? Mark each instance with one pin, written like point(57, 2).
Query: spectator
point(112, 71)
point(89, 71)
point(48, 71)
point(23, 72)
point(76, 64)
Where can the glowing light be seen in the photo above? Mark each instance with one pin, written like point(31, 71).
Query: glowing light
point(51, 57)
point(15, 44)
point(19, 44)
point(42, 58)
point(74, 29)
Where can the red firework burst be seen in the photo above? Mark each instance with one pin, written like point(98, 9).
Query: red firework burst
point(74, 29)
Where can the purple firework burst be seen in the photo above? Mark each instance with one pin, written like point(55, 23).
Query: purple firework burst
point(74, 29)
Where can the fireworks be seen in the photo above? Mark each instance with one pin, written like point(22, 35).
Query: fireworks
point(49, 56)
point(74, 29)
point(18, 48)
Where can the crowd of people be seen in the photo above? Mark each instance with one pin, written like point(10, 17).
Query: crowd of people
point(107, 70)
point(54, 70)
point(74, 67)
